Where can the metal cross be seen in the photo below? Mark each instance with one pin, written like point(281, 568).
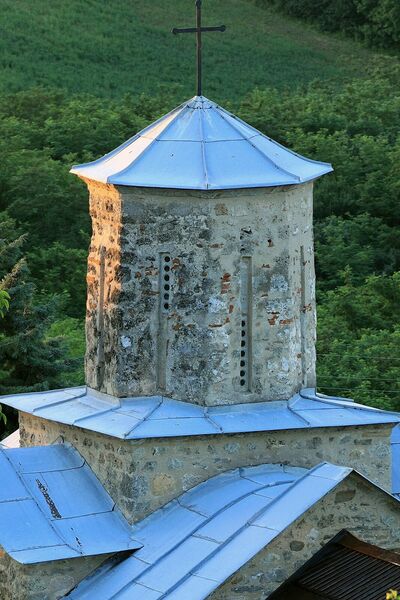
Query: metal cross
point(198, 30)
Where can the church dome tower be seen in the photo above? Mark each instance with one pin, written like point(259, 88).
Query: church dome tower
point(201, 281)
point(199, 421)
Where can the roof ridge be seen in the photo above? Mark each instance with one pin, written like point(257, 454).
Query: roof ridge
point(349, 403)
point(203, 151)
point(129, 141)
point(199, 526)
point(58, 402)
point(249, 523)
point(140, 421)
point(179, 111)
point(267, 158)
point(258, 132)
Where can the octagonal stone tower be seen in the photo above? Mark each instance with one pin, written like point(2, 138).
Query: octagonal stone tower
point(201, 282)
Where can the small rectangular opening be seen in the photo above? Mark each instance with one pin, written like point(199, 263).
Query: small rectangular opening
point(100, 318)
point(165, 286)
point(246, 306)
point(303, 316)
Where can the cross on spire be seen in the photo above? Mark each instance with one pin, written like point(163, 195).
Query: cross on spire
point(198, 30)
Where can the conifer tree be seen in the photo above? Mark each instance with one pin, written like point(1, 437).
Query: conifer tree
point(29, 361)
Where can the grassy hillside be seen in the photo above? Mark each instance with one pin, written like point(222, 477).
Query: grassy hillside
point(109, 48)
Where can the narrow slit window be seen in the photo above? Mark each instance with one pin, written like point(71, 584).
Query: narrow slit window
point(303, 315)
point(246, 299)
point(100, 318)
point(165, 285)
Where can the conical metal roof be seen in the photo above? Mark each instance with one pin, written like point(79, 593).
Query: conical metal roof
point(201, 146)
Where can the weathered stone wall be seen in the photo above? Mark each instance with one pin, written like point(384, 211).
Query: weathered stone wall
point(205, 296)
point(142, 475)
point(354, 505)
point(103, 316)
point(43, 581)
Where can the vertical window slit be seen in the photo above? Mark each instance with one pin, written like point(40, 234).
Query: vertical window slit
point(246, 299)
point(163, 312)
point(100, 318)
point(303, 316)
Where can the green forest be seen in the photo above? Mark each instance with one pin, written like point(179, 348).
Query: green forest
point(76, 83)
point(375, 22)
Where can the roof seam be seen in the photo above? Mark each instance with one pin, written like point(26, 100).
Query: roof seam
point(203, 151)
point(298, 481)
point(16, 499)
point(59, 402)
point(44, 472)
point(221, 545)
point(310, 160)
point(199, 526)
point(207, 519)
point(129, 141)
point(267, 158)
point(345, 402)
point(159, 403)
point(56, 531)
point(293, 411)
point(102, 412)
point(139, 156)
point(211, 420)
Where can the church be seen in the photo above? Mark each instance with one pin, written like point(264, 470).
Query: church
point(199, 461)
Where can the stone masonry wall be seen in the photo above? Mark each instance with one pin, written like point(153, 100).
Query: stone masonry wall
point(354, 505)
point(44, 581)
point(206, 297)
point(103, 286)
point(142, 475)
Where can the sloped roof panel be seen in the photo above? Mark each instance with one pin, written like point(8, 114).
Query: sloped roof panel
point(168, 161)
point(232, 522)
point(201, 146)
point(44, 459)
point(156, 416)
point(53, 507)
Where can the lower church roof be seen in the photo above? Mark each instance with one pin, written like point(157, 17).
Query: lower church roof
point(157, 416)
point(53, 507)
point(196, 542)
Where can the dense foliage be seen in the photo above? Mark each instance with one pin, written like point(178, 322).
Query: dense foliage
point(30, 358)
point(375, 21)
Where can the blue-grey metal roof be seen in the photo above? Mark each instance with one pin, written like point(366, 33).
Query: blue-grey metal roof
point(201, 146)
point(156, 416)
point(193, 544)
point(395, 449)
point(53, 507)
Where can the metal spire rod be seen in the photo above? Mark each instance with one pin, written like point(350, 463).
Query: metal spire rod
point(198, 30)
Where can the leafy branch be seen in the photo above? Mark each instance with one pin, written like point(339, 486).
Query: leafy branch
point(4, 302)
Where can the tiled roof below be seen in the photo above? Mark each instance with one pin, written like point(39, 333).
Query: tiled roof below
point(194, 543)
point(53, 507)
point(156, 416)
